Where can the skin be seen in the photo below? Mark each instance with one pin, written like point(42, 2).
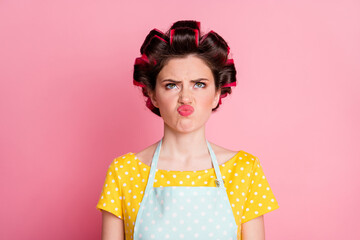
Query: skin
point(184, 81)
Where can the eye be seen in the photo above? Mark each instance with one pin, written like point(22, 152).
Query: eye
point(170, 84)
point(201, 84)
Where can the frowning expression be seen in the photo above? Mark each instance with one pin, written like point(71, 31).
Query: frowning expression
point(187, 83)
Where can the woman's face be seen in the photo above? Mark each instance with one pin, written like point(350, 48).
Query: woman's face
point(185, 81)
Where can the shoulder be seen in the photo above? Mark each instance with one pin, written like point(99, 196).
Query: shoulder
point(249, 160)
point(224, 154)
point(123, 168)
point(146, 154)
point(122, 162)
point(243, 159)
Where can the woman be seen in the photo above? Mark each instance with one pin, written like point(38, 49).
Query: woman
point(182, 186)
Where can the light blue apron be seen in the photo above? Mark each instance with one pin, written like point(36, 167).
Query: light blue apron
point(185, 212)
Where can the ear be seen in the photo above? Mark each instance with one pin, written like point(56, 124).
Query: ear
point(152, 96)
point(216, 98)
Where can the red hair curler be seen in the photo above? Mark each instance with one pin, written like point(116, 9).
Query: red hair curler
point(172, 32)
point(149, 104)
point(141, 60)
point(136, 83)
point(205, 36)
point(197, 34)
point(172, 36)
point(222, 96)
point(160, 38)
point(196, 37)
point(155, 29)
point(232, 84)
point(155, 36)
point(198, 24)
point(229, 61)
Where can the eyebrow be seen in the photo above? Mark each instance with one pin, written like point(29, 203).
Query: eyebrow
point(195, 80)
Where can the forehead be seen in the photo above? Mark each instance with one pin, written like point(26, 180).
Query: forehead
point(187, 68)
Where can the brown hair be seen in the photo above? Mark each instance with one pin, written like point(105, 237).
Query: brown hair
point(182, 39)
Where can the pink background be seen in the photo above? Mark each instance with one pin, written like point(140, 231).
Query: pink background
point(68, 107)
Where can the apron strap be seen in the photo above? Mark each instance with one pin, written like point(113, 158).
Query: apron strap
point(152, 173)
point(219, 182)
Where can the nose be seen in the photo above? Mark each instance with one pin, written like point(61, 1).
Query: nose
point(185, 96)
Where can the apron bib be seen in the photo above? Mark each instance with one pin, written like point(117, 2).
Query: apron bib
point(185, 212)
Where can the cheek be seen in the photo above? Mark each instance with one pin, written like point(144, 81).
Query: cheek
point(206, 99)
point(166, 99)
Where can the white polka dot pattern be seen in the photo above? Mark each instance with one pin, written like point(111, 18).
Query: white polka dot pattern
point(259, 199)
point(193, 213)
point(245, 178)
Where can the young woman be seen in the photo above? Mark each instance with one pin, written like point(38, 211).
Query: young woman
point(183, 186)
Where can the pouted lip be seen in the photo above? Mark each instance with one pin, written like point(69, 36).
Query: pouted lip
point(185, 110)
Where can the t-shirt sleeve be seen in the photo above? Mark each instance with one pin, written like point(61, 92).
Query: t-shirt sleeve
point(111, 195)
point(260, 199)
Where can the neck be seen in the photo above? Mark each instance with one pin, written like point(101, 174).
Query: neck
point(184, 145)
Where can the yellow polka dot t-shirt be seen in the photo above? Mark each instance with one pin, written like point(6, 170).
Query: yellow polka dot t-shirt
point(248, 190)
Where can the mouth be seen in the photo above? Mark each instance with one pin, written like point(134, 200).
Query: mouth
point(185, 110)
